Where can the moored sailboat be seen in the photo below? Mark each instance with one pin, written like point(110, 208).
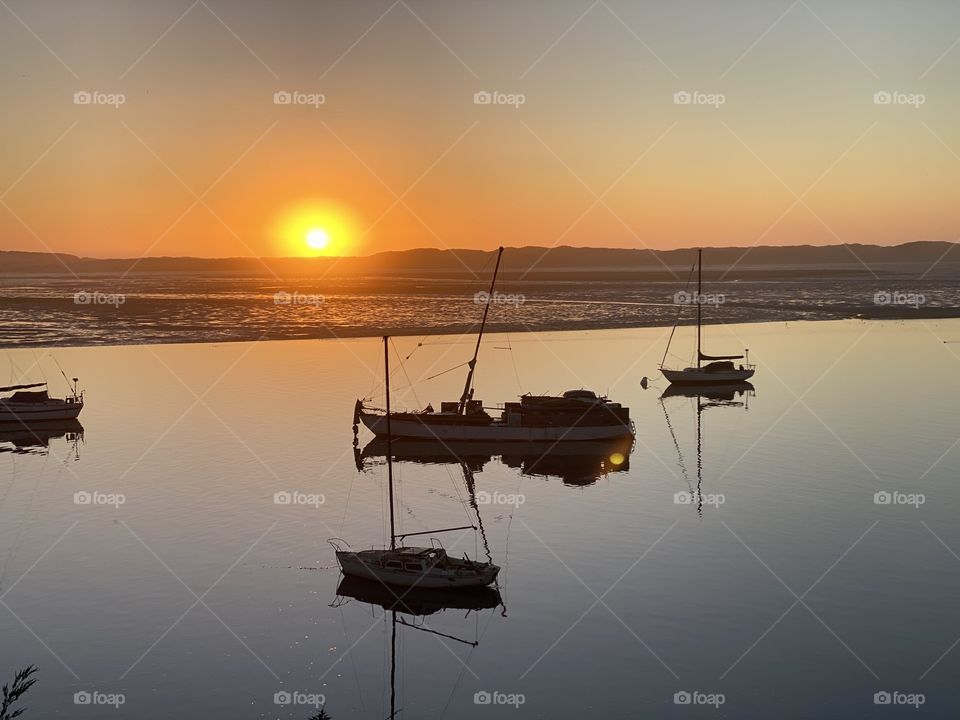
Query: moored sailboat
point(575, 415)
point(719, 369)
point(31, 403)
point(410, 566)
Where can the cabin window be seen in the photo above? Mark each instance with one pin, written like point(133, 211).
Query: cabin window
point(412, 567)
point(395, 565)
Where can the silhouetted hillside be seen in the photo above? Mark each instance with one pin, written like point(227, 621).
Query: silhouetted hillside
point(537, 262)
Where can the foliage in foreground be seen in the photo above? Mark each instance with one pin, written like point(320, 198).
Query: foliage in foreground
point(12, 693)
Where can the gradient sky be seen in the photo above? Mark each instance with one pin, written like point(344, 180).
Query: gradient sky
point(798, 153)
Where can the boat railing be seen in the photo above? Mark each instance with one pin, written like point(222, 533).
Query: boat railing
point(335, 544)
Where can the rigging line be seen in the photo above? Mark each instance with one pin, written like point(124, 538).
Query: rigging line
point(353, 662)
point(513, 357)
point(673, 436)
point(677, 320)
point(403, 367)
point(444, 372)
point(60, 369)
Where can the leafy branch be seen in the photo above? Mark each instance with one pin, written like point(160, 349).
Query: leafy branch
point(22, 682)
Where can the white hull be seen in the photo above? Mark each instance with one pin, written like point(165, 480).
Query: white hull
point(38, 412)
point(698, 376)
point(377, 424)
point(352, 565)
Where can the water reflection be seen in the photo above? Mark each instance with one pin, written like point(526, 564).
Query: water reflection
point(706, 397)
point(21, 439)
point(417, 604)
point(575, 463)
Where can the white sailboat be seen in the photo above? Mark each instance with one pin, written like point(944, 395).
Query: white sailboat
point(31, 403)
point(576, 415)
point(409, 566)
point(719, 369)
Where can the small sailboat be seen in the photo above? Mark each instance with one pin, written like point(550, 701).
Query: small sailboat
point(407, 566)
point(719, 369)
point(31, 403)
point(576, 415)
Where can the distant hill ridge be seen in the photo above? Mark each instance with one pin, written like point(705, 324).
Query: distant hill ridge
point(535, 260)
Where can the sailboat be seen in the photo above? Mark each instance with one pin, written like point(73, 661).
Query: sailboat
point(32, 403)
point(407, 566)
point(575, 415)
point(719, 369)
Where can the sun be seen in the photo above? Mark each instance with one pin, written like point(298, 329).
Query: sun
point(318, 238)
point(314, 227)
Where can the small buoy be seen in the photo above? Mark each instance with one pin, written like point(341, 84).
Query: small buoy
point(643, 382)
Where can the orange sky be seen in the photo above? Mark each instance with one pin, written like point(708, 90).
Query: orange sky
point(199, 160)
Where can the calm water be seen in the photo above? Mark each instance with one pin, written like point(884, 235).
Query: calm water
point(791, 592)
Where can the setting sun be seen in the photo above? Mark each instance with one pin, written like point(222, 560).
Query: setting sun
point(316, 227)
point(318, 239)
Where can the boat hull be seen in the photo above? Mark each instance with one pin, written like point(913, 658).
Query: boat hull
point(353, 565)
point(26, 413)
point(697, 376)
point(495, 431)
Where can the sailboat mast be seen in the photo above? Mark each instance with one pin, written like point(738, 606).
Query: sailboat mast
point(386, 373)
point(476, 351)
point(699, 297)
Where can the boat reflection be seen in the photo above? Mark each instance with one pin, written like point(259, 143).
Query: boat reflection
point(706, 397)
point(34, 439)
point(575, 463)
point(417, 603)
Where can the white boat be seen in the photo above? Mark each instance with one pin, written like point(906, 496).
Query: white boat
point(719, 369)
point(30, 404)
point(411, 566)
point(577, 415)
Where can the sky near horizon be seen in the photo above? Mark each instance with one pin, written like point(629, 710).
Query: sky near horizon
point(136, 127)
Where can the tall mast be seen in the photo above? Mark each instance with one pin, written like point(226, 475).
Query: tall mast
point(699, 297)
point(386, 372)
point(476, 351)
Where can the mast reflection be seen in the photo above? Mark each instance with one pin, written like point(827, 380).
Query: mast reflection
point(706, 396)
